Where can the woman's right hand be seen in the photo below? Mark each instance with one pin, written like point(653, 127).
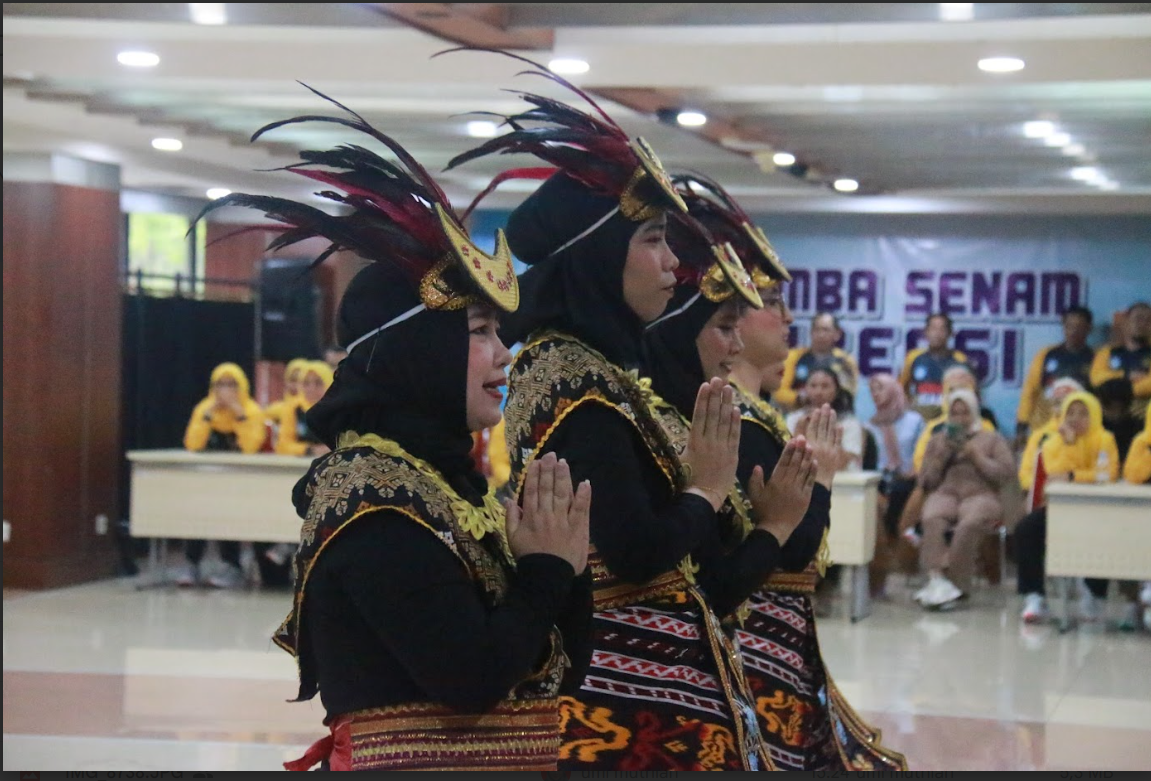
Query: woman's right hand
point(780, 504)
point(712, 452)
point(553, 519)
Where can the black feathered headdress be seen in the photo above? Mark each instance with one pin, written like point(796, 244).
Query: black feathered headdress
point(397, 215)
point(718, 212)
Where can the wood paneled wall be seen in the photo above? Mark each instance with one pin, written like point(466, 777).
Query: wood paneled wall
point(62, 344)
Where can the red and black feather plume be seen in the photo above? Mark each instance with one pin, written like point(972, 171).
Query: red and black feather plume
point(590, 148)
point(390, 207)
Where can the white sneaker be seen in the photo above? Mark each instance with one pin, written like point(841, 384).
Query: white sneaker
point(1034, 609)
point(184, 575)
point(941, 592)
point(225, 576)
point(1090, 608)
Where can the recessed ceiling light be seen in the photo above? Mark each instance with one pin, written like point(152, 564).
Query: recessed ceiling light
point(846, 185)
point(568, 66)
point(218, 192)
point(691, 118)
point(956, 12)
point(1074, 150)
point(1001, 64)
point(138, 59)
point(1108, 184)
point(783, 158)
point(482, 128)
point(167, 144)
point(1085, 173)
point(1057, 139)
point(1039, 128)
point(208, 13)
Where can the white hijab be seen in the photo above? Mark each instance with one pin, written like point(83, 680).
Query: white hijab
point(969, 398)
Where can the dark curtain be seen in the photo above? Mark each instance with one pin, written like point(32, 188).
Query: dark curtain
point(171, 346)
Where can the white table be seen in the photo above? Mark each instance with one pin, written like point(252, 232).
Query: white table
point(1097, 531)
point(851, 541)
point(212, 496)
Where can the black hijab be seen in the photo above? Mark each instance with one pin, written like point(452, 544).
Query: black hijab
point(408, 383)
point(578, 290)
point(672, 357)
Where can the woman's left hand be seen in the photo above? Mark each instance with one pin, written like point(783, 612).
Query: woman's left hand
point(824, 436)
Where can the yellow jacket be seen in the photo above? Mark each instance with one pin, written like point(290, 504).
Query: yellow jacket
point(1080, 458)
point(206, 418)
point(288, 442)
point(275, 411)
point(1101, 371)
point(1138, 466)
point(932, 426)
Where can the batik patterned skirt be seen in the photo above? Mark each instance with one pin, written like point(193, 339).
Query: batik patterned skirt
point(665, 691)
point(805, 721)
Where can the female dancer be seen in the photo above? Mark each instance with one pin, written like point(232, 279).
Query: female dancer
point(427, 627)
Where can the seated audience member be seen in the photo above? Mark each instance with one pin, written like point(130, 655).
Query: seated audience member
point(1131, 360)
point(1080, 451)
point(333, 354)
point(295, 438)
point(1060, 389)
point(1137, 467)
point(823, 354)
point(275, 411)
point(1070, 359)
point(922, 374)
point(895, 430)
point(1116, 399)
point(958, 376)
point(964, 471)
point(822, 387)
point(228, 420)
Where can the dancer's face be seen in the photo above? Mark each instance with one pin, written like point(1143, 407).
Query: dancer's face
point(765, 331)
point(719, 343)
point(648, 281)
point(487, 360)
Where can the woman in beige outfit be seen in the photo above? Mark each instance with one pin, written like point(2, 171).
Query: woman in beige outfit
point(963, 471)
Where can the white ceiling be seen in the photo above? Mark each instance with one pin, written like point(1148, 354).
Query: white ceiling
point(877, 92)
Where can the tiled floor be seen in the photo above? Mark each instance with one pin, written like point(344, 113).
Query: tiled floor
point(104, 677)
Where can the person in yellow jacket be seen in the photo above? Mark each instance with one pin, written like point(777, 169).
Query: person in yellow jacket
point(823, 354)
point(1081, 451)
point(924, 368)
point(1060, 389)
point(1070, 358)
point(226, 420)
point(295, 437)
point(498, 460)
point(1137, 469)
point(1130, 361)
point(275, 411)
